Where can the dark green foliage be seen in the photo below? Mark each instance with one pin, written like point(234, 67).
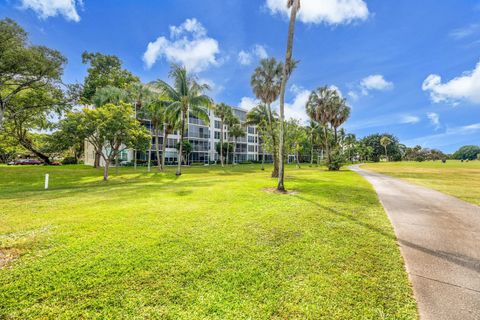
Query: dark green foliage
point(378, 150)
point(467, 153)
point(336, 160)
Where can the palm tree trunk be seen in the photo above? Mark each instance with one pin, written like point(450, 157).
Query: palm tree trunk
point(222, 160)
point(180, 148)
point(336, 138)
point(234, 150)
point(298, 160)
point(164, 146)
point(274, 143)
point(286, 71)
point(327, 147)
point(135, 159)
point(157, 142)
point(149, 164)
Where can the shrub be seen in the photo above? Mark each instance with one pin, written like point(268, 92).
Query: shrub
point(69, 160)
point(336, 161)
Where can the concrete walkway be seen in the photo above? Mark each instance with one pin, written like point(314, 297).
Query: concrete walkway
point(439, 237)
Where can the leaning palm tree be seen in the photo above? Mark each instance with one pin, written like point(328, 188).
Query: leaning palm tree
point(187, 97)
point(289, 64)
point(236, 131)
point(266, 83)
point(222, 111)
point(385, 141)
point(320, 107)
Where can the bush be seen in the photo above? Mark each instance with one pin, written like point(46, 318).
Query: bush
point(69, 160)
point(336, 161)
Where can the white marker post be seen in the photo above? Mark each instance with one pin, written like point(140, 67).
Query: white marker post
point(46, 181)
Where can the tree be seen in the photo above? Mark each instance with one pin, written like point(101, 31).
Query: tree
point(112, 129)
point(467, 153)
point(33, 111)
point(385, 142)
point(289, 63)
point(67, 137)
point(295, 137)
point(341, 113)
point(104, 71)
point(25, 68)
point(186, 148)
point(266, 84)
point(378, 150)
point(236, 131)
point(222, 111)
point(230, 121)
point(186, 96)
point(321, 107)
point(312, 133)
point(266, 123)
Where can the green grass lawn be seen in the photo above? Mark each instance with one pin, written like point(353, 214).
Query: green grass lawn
point(211, 244)
point(459, 179)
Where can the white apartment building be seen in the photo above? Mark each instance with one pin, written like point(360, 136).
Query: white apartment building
point(203, 138)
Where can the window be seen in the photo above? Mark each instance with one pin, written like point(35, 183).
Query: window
point(251, 139)
point(251, 130)
point(217, 135)
point(218, 124)
point(251, 148)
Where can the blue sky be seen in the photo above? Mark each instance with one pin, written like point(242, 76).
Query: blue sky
point(407, 67)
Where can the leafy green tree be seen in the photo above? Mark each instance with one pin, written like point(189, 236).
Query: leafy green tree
point(9, 148)
point(312, 131)
point(104, 71)
point(295, 138)
point(186, 96)
point(226, 148)
point(111, 129)
point(378, 150)
point(24, 69)
point(223, 112)
point(467, 153)
point(341, 113)
point(294, 5)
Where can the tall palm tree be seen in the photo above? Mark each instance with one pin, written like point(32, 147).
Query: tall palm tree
point(385, 141)
point(187, 97)
point(266, 83)
point(230, 121)
point(262, 117)
point(222, 111)
point(236, 131)
point(171, 123)
point(321, 106)
point(294, 5)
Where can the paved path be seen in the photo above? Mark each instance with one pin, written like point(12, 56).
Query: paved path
point(439, 237)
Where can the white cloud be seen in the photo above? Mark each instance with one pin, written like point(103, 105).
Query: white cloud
point(246, 57)
point(326, 11)
point(52, 8)
point(463, 88)
point(465, 32)
point(434, 119)
point(188, 45)
point(409, 119)
point(296, 109)
point(248, 103)
point(375, 82)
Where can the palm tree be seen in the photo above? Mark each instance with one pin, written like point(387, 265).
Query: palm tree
point(236, 131)
point(340, 115)
point(321, 106)
point(171, 123)
point(186, 96)
point(385, 142)
point(312, 133)
point(262, 117)
point(222, 111)
point(156, 112)
point(289, 64)
point(266, 83)
point(230, 121)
